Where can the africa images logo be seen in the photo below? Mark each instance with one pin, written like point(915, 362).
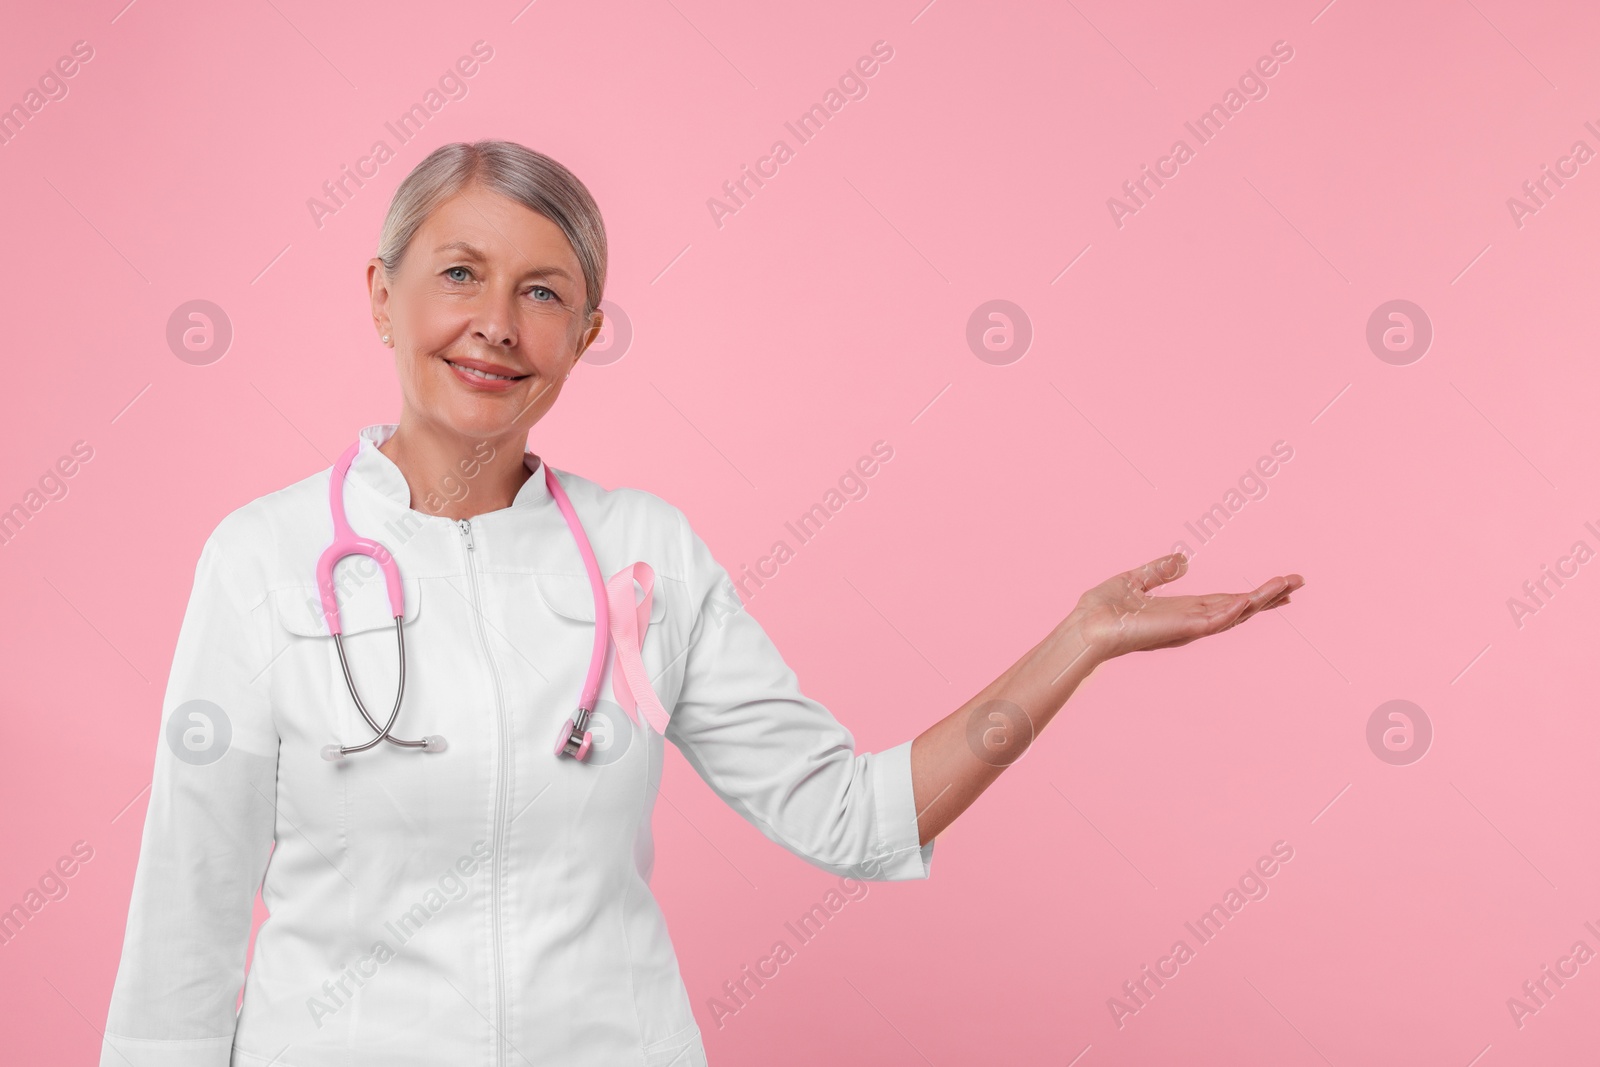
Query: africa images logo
point(1251, 886)
point(452, 886)
point(1252, 85)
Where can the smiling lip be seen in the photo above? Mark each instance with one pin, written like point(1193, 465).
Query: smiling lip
point(463, 368)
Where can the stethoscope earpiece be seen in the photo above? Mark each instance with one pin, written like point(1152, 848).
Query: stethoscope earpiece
point(431, 743)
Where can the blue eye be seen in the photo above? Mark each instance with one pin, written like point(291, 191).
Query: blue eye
point(542, 289)
point(448, 270)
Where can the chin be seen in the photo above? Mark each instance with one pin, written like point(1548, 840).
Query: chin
point(492, 418)
point(477, 418)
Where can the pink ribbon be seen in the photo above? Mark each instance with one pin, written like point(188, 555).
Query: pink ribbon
point(629, 621)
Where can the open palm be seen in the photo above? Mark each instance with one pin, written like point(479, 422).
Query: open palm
point(1120, 615)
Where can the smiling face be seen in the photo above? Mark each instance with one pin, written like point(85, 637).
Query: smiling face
point(486, 286)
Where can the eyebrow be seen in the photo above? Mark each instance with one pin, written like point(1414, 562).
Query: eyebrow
point(471, 250)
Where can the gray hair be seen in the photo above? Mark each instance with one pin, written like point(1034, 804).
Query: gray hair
point(530, 178)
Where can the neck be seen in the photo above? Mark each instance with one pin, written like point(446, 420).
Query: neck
point(455, 475)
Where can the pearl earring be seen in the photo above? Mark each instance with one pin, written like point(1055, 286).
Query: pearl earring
point(385, 338)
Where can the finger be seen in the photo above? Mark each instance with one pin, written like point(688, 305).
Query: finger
point(1241, 606)
point(1270, 590)
point(1229, 612)
point(1281, 598)
point(1160, 571)
point(1291, 583)
point(1253, 609)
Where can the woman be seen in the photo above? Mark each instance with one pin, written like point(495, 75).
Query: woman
point(470, 895)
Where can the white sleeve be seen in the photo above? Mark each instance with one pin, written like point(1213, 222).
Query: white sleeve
point(776, 756)
point(207, 834)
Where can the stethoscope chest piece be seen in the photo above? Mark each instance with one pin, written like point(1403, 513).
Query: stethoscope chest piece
point(575, 740)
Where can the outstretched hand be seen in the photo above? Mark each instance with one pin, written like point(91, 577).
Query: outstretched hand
point(1119, 615)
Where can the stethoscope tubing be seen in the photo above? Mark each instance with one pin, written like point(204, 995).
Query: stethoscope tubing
point(574, 739)
point(382, 731)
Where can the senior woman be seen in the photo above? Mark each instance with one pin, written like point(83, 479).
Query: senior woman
point(460, 873)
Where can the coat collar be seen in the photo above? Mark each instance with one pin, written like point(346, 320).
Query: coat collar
point(379, 472)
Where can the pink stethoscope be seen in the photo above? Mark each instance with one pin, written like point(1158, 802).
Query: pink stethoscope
point(613, 619)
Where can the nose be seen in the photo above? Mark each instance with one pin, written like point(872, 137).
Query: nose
point(494, 322)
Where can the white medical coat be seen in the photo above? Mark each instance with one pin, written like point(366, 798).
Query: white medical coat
point(489, 904)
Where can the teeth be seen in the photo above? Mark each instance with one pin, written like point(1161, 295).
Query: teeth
point(484, 374)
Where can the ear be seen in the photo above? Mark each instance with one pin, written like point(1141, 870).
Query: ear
point(378, 293)
point(597, 320)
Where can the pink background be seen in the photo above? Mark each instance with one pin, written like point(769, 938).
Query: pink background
point(831, 312)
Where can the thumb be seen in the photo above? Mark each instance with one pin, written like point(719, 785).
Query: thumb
point(1160, 571)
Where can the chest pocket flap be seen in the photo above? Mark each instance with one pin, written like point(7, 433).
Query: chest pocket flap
point(572, 597)
point(363, 605)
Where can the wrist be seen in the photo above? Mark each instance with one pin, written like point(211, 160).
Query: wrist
point(1078, 645)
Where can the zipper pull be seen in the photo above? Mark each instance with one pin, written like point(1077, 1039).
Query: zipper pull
point(466, 531)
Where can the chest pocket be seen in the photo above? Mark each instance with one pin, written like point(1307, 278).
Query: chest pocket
point(314, 681)
point(571, 598)
point(362, 607)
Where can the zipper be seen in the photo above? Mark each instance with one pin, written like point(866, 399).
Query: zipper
point(500, 792)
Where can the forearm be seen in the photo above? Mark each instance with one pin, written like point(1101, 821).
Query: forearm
point(956, 758)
